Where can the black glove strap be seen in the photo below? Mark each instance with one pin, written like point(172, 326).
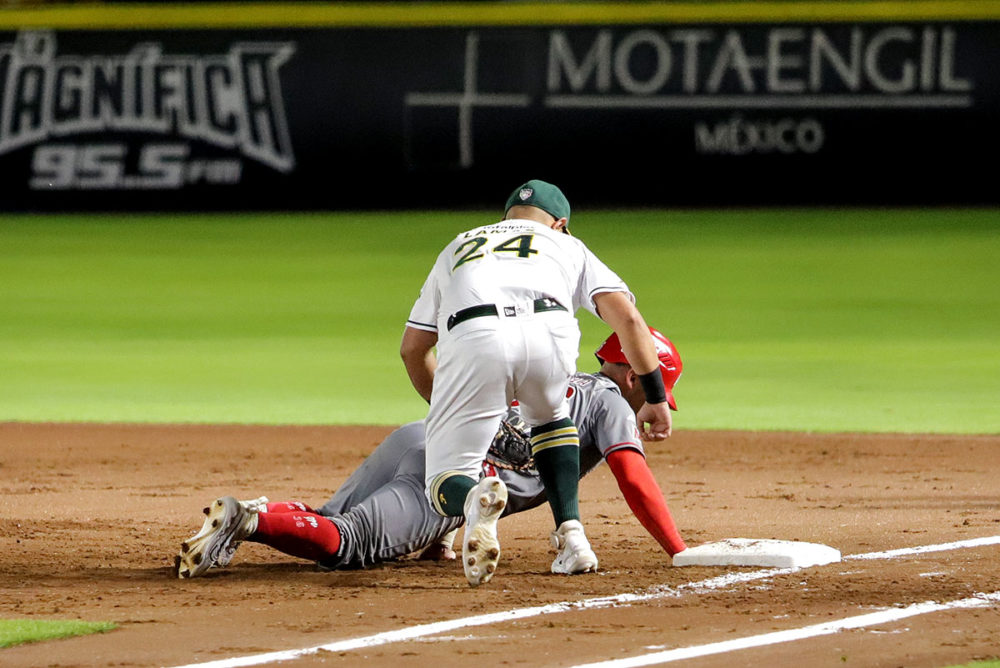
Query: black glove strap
point(652, 387)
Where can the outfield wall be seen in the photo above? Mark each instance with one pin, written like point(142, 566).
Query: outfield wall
point(316, 106)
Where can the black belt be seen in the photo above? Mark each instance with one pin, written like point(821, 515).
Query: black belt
point(540, 305)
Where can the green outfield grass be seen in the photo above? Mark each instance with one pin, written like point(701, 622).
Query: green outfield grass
point(20, 631)
point(827, 320)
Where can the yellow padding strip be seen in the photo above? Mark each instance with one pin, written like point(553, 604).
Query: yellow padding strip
point(543, 439)
point(436, 498)
point(572, 442)
point(562, 431)
point(133, 16)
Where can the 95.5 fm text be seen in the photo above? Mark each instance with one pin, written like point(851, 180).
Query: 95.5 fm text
point(107, 166)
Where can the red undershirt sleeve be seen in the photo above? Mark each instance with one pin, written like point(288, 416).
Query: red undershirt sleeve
point(643, 495)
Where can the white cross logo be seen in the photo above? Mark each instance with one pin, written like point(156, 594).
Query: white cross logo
point(467, 99)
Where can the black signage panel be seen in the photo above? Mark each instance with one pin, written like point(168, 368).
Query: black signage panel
point(704, 115)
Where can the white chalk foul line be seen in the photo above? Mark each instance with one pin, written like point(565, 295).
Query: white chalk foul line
point(433, 628)
point(826, 628)
point(662, 591)
point(921, 549)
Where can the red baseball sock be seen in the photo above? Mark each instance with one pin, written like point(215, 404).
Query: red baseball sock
point(289, 507)
point(644, 497)
point(306, 535)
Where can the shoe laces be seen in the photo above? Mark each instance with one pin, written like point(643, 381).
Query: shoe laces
point(258, 505)
point(569, 537)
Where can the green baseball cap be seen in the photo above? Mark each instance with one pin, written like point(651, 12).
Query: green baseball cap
point(540, 194)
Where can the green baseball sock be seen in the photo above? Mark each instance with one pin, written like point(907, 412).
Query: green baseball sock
point(556, 449)
point(451, 493)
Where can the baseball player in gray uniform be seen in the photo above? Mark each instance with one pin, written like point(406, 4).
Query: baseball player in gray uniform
point(380, 513)
point(499, 306)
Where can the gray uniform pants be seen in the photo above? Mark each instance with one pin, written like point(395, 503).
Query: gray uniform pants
point(381, 509)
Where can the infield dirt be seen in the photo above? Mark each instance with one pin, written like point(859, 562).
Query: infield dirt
point(92, 515)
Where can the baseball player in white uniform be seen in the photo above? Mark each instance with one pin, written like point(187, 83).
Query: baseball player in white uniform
point(380, 512)
point(499, 306)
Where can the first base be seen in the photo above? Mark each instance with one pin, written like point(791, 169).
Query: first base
point(763, 552)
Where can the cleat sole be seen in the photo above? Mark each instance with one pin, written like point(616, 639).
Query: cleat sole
point(481, 546)
point(200, 552)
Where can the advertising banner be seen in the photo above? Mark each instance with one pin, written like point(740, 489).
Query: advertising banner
point(639, 114)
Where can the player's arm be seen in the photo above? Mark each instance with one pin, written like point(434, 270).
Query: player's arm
point(644, 498)
point(417, 351)
point(616, 309)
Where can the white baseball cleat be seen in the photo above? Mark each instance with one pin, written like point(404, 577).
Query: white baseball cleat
point(480, 546)
point(258, 505)
point(228, 521)
point(575, 555)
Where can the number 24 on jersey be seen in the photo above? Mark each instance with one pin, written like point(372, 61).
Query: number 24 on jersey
point(520, 244)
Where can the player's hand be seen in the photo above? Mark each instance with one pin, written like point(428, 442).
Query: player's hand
point(437, 552)
point(654, 422)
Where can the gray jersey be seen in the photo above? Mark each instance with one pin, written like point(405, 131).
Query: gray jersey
point(605, 423)
point(381, 509)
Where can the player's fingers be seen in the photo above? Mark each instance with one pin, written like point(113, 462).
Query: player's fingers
point(640, 425)
point(655, 432)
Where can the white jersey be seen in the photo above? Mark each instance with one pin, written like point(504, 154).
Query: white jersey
point(510, 264)
point(517, 345)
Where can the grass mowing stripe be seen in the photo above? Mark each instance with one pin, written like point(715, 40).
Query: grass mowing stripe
point(822, 320)
point(20, 631)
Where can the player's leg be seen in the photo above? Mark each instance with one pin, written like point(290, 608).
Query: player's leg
point(379, 514)
point(555, 444)
point(262, 505)
point(293, 527)
point(393, 522)
point(471, 393)
point(469, 398)
point(230, 522)
point(277, 507)
point(299, 534)
point(540, 387)
point(378, 469)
